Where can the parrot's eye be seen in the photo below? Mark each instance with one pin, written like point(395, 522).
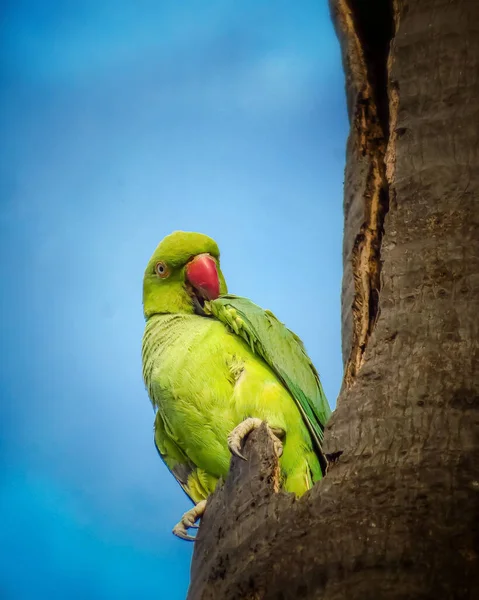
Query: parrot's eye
point(161, 270)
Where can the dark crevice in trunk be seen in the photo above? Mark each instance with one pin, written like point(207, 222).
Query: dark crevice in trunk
point(372, 22)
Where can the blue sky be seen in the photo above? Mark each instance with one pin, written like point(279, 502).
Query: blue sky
point(120, 122)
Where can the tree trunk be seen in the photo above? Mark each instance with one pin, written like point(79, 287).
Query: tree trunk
point(397, 516)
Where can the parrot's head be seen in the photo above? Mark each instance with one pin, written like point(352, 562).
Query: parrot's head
point(182, 274)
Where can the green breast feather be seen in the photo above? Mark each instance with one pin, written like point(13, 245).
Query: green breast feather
point(283, 351)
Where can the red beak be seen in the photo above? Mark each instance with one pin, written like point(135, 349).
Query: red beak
point(203, 276)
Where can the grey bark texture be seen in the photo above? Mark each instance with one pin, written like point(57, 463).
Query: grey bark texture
point(397, 516)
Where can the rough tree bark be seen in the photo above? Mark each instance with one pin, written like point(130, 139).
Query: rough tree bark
point(398, 515)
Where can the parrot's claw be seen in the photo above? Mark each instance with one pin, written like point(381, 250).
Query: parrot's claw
point(243, 429)
point(182, 534)
point(188, 521)
point(234, 449)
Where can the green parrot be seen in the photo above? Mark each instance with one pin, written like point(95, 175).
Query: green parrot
point(215, 367)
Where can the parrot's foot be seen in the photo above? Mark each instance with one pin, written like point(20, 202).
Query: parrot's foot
point(188, 521)
point(241, 431)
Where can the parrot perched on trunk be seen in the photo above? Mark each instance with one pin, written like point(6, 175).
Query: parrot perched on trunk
point(215, 367)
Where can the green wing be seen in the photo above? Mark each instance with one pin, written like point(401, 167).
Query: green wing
point(283, 351)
